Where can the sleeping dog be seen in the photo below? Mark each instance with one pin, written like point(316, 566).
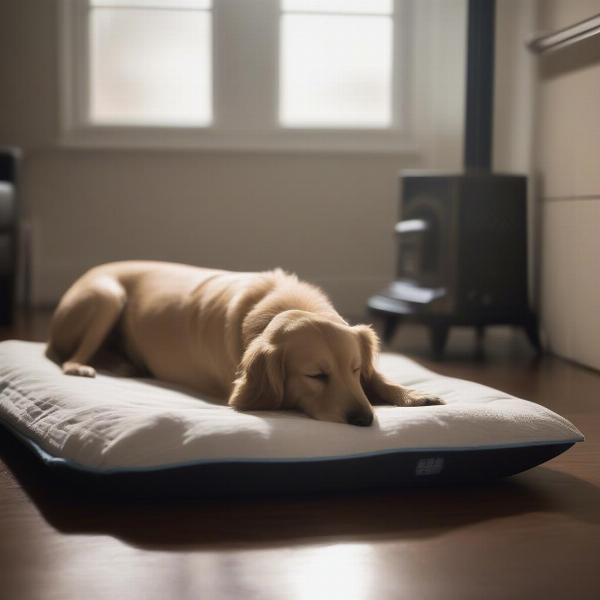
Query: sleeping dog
point(260, 340)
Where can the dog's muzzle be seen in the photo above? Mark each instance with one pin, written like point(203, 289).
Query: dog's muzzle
point(360, 418)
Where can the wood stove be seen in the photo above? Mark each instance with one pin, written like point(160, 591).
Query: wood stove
point(462, 237)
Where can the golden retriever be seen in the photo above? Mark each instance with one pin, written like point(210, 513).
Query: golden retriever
point(263, 341)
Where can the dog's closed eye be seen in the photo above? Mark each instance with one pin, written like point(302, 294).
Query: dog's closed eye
point(323, 377)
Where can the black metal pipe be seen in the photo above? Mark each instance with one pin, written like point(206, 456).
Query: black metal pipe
point(480, 85)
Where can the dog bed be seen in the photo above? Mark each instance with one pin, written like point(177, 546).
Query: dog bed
point(146, 437)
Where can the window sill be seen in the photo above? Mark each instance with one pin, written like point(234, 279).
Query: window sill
point(370, 141)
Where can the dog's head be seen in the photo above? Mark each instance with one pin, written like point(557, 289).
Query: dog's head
point(310, 363)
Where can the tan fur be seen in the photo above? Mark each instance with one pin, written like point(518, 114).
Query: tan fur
point(260, 340)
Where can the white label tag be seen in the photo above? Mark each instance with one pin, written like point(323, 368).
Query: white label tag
point(429, 466)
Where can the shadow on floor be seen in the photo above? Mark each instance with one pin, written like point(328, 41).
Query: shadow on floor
point(281, 521)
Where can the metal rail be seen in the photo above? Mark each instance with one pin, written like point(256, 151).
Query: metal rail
point(566, 36)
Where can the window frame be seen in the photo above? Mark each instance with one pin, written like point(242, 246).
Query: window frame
point(76, 130)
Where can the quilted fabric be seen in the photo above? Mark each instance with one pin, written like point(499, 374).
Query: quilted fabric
point(110, 423)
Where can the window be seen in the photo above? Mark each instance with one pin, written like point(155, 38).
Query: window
point(336, 63)
point(150, 62)
point(240, 74)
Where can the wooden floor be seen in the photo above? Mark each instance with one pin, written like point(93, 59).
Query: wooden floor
point(536, 535)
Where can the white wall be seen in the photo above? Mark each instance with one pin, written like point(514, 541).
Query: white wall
point(568, 160)
point(547, 124)
point(515, 88)
point(515, 74)
point(328, 217)
point(439, 70)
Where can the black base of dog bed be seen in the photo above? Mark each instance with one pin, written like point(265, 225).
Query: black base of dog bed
point(251, 478)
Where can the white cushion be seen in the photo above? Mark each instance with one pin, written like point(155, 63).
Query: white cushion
point(107, 424)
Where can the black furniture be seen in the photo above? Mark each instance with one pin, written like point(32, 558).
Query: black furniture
point(462, 255)
point(462, 238)
point(9, 162)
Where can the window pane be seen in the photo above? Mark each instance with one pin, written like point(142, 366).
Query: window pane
point(154, 3)
point(336, 71)
point(379, 7)
point(151, 67)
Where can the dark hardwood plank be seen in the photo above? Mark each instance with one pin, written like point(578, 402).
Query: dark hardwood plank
point(536, 535)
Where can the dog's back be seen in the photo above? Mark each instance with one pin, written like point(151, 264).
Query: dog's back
point(183, 324)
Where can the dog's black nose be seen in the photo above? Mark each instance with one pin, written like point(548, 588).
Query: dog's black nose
point(360, 418)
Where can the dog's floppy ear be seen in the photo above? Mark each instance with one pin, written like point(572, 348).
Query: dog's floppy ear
point(259, 384)
point(377, 389)
point(369, 346)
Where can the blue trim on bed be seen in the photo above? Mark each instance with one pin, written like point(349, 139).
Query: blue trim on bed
point(55, 461)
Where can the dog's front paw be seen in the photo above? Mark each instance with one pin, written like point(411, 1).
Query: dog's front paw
point(77, 369)
point(415, 398)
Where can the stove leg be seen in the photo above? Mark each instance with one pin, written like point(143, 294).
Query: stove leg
point(389, 328)
point(531, 329)
point(479, 333)
point(438, 335)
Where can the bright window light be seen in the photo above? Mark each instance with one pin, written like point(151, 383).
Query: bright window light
point(335, 69)
point(151, 62)
point(374, 7)
point(165, 4)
